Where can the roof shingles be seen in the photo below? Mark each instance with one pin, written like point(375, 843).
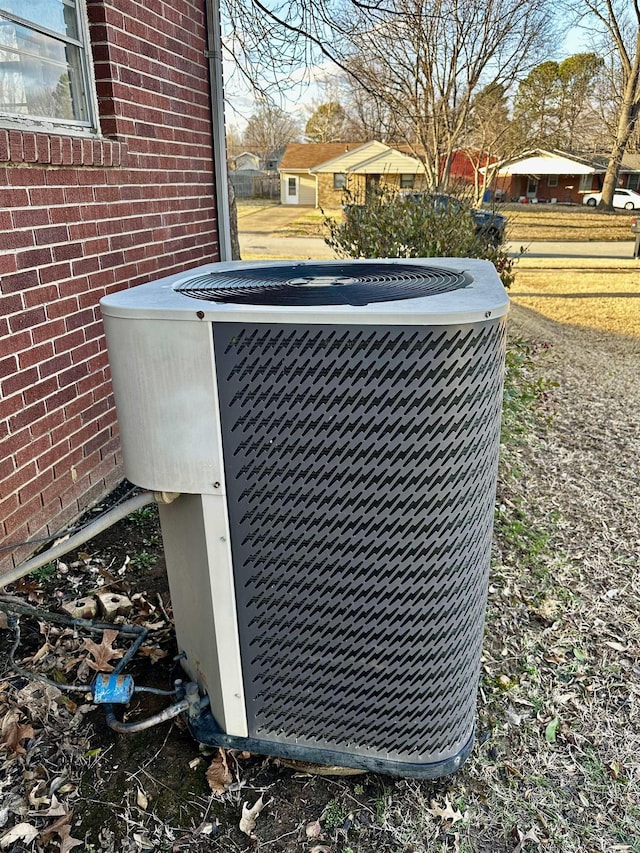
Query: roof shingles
point(300, 156)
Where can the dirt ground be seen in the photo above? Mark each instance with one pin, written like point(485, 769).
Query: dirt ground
point(555, 767)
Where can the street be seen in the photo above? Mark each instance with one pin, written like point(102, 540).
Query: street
point(256, 245)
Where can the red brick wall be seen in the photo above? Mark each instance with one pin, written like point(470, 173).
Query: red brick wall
point(80, 218)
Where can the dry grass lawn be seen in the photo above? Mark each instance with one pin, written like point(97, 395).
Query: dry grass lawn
point(526, 223)
point(549, 222)
point(603, 299)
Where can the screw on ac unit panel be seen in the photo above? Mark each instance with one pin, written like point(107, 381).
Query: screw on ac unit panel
point(216, 485)
point(487, 313)
point(200, 315)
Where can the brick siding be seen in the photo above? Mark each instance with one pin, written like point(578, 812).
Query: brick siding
point(80, 218)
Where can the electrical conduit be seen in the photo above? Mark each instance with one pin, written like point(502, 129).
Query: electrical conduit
point(93, 529)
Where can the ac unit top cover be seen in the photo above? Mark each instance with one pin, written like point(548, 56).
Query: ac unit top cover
point(161, 340)
point(438, 291)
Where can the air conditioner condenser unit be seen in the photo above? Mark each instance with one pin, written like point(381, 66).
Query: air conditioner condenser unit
point(333, 429)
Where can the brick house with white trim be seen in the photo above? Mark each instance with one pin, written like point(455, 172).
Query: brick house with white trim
point(559, 176)
point(108, 178)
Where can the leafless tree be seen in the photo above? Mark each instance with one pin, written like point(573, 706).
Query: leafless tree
point(421, 60)
point(488, 137)
point(268, 130)
point(617, 22)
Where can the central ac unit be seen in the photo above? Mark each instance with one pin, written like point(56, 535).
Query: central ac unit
point(333, 429)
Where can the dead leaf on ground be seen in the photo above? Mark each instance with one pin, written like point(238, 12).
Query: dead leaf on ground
point(62, 828)
point(522, 839)
point(218, 774)
point(446, 813)
point(56, 808)
point(13, 732)
point(313, 829)
point(154, 654)
point(143, 842)
point(250, 817)
point(103, 652)
point(24, 832)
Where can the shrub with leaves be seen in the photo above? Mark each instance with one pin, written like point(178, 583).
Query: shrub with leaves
point(391, 225)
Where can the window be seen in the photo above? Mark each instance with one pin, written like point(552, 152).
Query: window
point(339, 181)
point(633, 182)
point(407, 182)
point(44, 65)
point(552, 181)
point(586, 183)
point(292, 186)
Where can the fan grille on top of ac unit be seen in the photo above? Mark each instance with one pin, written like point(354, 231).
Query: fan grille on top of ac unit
point(329, 283)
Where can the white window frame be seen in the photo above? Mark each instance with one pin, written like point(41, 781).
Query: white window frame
point(44, 124)
point(552, 181)
point(407, 182)
point(339, 180)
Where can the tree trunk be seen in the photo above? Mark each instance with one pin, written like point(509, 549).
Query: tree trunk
point(233, 223)
point(626, 123)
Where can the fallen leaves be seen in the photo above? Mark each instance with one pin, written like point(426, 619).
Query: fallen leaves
point(447, 814)
point(313, 829)
point(523, 839)
point(218, 774)
point(13, 733)
point(24, 832)
point(103, 653)
point(250, 816)
point(62, 828)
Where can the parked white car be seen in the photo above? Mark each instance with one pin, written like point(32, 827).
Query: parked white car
point(627, 199)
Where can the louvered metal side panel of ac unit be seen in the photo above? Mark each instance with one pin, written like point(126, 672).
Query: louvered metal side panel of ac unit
point(360, 465)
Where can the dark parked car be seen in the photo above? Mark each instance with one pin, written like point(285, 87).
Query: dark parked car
point(489, 224)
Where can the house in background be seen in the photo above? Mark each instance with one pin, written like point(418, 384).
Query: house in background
point(557, 176)
point(245, 162)
point(110, 165)
point(316, 174)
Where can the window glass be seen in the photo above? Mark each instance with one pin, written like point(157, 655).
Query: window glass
point(339, 181)
point(43, 64)
point(39, 76)
point(552, 181)
point(293, 186)
point(407, 181)
point(586, 182)
point(57, 15)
